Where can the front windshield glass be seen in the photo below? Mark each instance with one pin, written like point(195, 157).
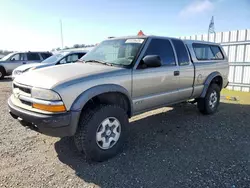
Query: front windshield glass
point(54, 58)
point(117, 52)
point(6, 57)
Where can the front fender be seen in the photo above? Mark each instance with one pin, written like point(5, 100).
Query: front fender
point(83, 98)
point(208, 81)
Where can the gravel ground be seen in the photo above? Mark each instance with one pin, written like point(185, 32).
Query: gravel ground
point(169, 147)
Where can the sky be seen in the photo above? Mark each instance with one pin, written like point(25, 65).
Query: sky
point(35, 24)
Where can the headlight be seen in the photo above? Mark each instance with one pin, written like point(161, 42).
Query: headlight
point(17, 72)
point(44, 94)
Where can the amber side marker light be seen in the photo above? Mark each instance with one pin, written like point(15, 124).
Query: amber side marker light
point(50, 108)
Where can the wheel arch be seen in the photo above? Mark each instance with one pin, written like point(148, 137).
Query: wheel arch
point(214, 77)
point(104, 94)
point(2, 67)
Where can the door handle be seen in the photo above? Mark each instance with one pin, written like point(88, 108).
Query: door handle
point(176, 73)
point(24, 62)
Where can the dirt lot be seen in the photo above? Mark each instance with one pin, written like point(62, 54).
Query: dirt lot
point(170, 147)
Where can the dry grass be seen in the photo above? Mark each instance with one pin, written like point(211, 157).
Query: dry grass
point(242, 97)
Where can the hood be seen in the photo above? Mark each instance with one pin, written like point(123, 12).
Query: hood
point(52, 76)
point(27, 66)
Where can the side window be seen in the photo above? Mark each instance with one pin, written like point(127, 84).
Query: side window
point(217, 52)
point(15, 57)
point(162, 48)
point(63, 61)
point(72, 58)
point(203, 51)
point(45, 55)
point(22, 57)
point(80, 55)
point(181, 51)
point(33, 57)
point(207, 52)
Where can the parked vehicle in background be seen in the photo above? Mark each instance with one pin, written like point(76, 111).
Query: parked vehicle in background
point(120, 78)
point(11, 61)
point(57, 59)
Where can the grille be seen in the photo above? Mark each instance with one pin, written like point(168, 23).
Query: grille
point(23, 89)
point(26, 102)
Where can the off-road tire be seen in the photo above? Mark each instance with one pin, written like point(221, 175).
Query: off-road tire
point(203, 103)
point(85, 136)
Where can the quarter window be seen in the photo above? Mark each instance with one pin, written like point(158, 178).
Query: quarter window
point(217, 52)
point(181, 51)
point(162, 48)
point(207, 52)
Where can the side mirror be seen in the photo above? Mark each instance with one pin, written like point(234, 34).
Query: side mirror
point(152, 61)
point(12, 59)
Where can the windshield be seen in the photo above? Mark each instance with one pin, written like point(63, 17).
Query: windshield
point(54, 58)
point(117, 52)
point(6, 57)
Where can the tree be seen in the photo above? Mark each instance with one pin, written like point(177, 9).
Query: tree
point(76, 46)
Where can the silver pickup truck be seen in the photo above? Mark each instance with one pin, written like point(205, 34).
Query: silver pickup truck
point(118, 79)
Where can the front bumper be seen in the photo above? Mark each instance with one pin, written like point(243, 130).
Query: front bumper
point(58, 125)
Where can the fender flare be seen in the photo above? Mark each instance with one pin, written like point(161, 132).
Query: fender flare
point(84, 97)
point(208, 81)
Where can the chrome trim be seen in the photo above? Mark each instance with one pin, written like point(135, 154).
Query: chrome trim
point(21, 85)
point(38, 101)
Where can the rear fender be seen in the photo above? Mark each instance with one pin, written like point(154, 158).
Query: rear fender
point(207, 83)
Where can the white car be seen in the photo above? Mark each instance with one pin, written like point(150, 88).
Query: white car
point(57, 59)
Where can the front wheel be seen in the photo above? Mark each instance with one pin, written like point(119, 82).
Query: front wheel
point(101, 132)
point(210, 103)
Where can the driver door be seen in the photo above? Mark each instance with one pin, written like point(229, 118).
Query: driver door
point(15, 61)
point(156, 86)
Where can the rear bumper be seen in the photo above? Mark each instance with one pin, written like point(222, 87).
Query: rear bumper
point(58, 125)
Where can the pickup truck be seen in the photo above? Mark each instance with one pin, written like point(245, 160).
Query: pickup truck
point(121, 77)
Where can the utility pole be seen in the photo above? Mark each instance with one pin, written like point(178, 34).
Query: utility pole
point(61, 33)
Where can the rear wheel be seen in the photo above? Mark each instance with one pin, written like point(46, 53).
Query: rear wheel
point(101, 132)
point(210, 103)
point(2, 73)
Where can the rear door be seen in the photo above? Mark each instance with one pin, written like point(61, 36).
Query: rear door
point(186, 70)
point(154, 87)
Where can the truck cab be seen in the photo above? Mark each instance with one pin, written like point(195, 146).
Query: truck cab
point(118, 79)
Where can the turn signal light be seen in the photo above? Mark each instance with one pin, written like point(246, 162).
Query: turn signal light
point(50, 108)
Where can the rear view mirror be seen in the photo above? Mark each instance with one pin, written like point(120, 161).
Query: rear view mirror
point(152, 61)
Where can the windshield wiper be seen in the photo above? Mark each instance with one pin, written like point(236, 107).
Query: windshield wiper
point(99, 61)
